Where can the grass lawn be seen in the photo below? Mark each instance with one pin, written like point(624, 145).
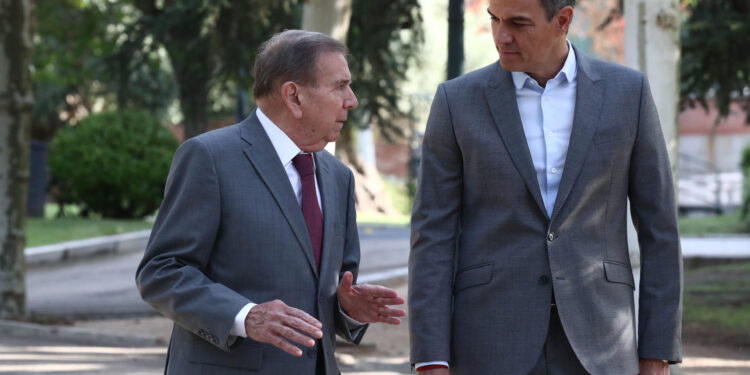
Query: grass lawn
point(717, 304)
point(49, 230)
point(722, 224)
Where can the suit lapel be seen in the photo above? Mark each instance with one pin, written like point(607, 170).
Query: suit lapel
point(589, 97)
point(500, 94)
point(265, 160)
point(327, 195)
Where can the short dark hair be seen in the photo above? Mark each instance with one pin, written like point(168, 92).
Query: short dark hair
point(551, 7)
point(291, 55)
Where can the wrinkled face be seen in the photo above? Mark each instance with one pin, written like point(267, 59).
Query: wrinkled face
point(524, 38)
point(326, 104)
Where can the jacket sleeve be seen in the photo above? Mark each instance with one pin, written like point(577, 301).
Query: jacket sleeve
point(171, 277)
point(653, 208)
point(435, 228)
point(346, 327)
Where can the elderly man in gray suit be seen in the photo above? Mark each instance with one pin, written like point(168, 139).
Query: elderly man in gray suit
point(519, 261)
point(255, 249)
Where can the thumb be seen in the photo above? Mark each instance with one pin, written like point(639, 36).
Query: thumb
point(346, 281)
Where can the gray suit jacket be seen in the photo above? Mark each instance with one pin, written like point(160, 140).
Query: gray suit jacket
point(485, 255)
point(230, 231)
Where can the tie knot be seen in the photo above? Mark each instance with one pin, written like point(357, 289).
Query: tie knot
point(303, 163)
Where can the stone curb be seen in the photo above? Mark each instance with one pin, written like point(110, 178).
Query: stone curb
point(81, 335)
point(118, 243)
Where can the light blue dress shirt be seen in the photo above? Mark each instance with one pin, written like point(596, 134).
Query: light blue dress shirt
point(547, 117)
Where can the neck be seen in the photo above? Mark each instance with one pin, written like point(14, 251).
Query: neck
point(557, 60)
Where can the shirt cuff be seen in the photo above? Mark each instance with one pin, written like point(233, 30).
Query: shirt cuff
point(422, 365)
point(238, 328)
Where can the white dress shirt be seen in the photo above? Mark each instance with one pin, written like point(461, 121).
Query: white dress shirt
point(287, 150)
point(547, 118)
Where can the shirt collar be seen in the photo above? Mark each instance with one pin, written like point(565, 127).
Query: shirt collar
point(568, 72)
point(284, 146)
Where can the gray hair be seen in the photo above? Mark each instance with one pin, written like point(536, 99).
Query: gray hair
point(291, 55)
point(551, 7)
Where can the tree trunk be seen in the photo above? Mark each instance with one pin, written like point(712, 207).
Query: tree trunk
point(331, 17)
point(15, 126)
point(193, 64)
point(455, 38)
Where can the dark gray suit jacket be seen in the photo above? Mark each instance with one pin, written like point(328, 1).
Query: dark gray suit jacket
point(230, 231)
point(485, 255)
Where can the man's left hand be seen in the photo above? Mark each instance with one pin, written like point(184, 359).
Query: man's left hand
point(653, 367)
point(369, 303)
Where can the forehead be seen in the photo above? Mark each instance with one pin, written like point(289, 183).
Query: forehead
point(332, 67)
point(516, 8)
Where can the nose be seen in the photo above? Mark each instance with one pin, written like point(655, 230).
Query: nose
point(502, 36)
point(350, 102)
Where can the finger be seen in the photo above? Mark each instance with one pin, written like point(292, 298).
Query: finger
point(293, 335)
point(303, 326)
point(389, 301)
point(299, 314)
point(389, 320)
point(376, 291)
point(346, 282)
point(281, 343)
point(385, 311)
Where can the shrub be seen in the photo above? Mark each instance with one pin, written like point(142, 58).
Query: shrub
point(113, 163)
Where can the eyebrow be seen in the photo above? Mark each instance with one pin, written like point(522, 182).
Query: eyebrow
point(513, 19)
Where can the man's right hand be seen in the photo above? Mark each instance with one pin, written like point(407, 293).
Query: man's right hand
point(435, 371)
point(277, 324)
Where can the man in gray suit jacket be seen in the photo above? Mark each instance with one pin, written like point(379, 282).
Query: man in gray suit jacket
point(519, 260)
point(255, 249)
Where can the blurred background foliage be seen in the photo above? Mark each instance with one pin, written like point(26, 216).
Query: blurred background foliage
point(112, 163)
point(189, 62)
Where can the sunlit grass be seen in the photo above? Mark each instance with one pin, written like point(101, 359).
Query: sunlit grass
point(53, 229)
point(718, 224)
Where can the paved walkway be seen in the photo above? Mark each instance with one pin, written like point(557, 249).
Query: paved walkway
point(384, 351)
point(716, 247)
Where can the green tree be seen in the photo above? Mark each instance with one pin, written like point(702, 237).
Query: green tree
point(716, 54)
point(15, 120)
point(79, 64)
point(209, 43)
point(384, 39)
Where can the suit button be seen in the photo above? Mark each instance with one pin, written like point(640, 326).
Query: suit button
point(551, 236)
point(321, 299)
point(311, 353)
point(543, 280)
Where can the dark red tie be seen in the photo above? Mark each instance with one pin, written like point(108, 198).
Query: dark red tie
point(310, 207)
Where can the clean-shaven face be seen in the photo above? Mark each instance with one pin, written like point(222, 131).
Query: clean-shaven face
point(326, 104)
point(524, 39)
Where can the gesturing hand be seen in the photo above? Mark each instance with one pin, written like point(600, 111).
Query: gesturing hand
point(276, 323)
point(369, 303)
point(653, 367)
point(436, 371)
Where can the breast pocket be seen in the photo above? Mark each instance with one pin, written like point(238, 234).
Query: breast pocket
point(612, 134)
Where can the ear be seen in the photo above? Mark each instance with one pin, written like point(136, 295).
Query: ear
point(563, 19)
point(290, 96)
